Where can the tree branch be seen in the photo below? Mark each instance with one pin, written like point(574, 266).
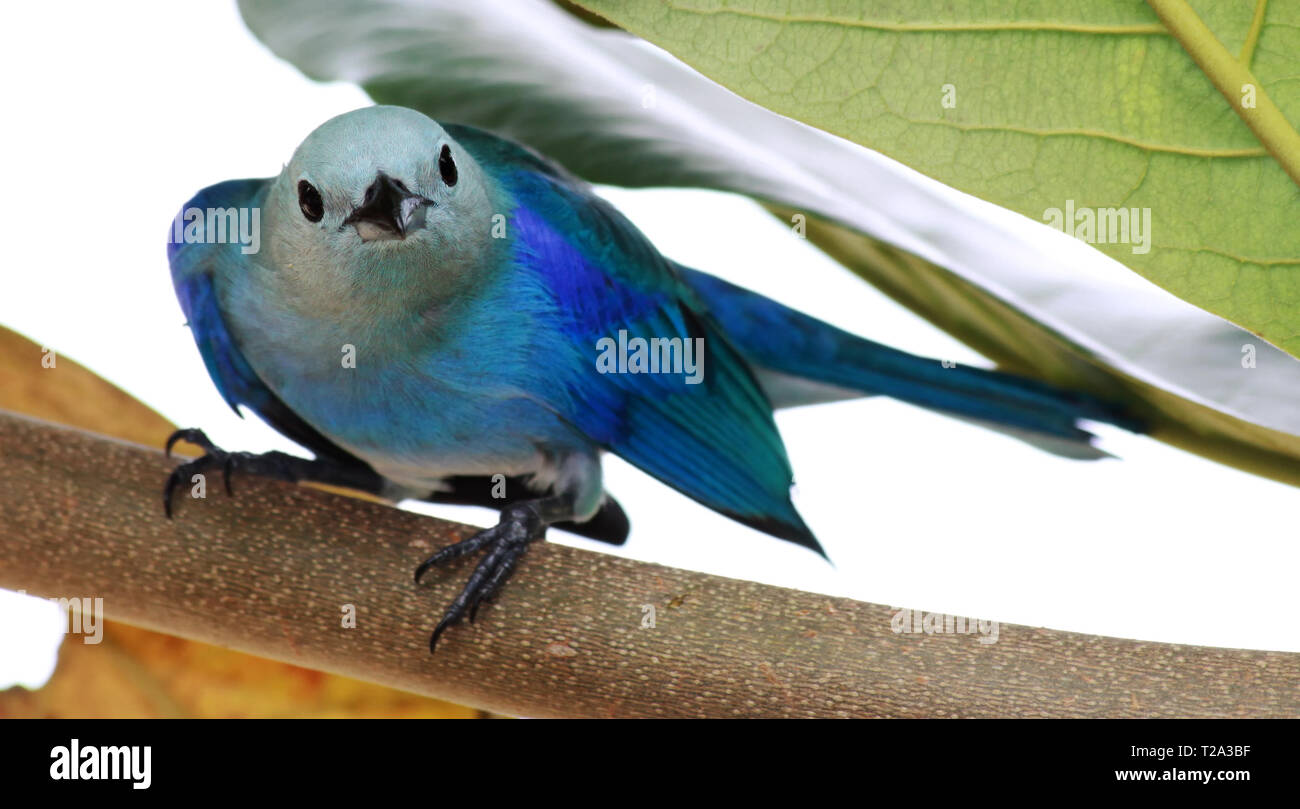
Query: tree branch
point(270, 570)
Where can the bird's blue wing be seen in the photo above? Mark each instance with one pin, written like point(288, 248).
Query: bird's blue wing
point(193, 257)
point(194, 253)
point(714, 441)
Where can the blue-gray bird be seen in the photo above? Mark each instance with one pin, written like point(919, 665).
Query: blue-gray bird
point(440, 313)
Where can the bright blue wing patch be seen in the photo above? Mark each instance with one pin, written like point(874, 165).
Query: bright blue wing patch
point(714, 441)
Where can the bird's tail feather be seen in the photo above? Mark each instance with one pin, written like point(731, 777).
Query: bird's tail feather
point(789, 346)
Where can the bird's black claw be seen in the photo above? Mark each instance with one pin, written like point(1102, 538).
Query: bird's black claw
point(505, 543)
point(454, 551)
point(437, 633)
point(214, 458)
point(194, 436)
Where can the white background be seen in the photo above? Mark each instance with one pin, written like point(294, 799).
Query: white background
point(116, 116)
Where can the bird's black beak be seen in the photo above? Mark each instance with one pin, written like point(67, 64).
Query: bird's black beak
point(389, 210)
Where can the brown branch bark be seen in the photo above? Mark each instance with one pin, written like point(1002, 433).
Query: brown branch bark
point(269, 571)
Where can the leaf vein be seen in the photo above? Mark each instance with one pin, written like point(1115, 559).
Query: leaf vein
point(1032, 26)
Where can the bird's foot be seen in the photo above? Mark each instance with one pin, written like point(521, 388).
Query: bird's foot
point(505, 544)
point(271, 464)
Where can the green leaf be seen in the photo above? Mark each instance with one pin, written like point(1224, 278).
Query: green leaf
point(616, 111)
point(1095, 105)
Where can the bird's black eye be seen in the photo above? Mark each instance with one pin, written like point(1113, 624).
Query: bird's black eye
point(313, 207)
point(447, 166)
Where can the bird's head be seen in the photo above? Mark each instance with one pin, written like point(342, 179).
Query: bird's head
point(379, 192)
